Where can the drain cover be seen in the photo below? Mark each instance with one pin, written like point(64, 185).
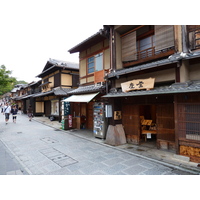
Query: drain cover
point(58, 157)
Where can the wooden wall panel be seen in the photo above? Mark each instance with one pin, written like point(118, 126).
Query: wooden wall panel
point(131, 122)
point(90, 115)
point(165, 122)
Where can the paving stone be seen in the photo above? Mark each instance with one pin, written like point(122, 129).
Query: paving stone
point(79, 165)
point(93, 168)
point(147, 164)
point(135, 170)
point(113, 161)
point(115, 169)
point(18, 172)
point(133, 161)
point(53, 154)
point(74, 154)
point(66, 162)
point(10, 173)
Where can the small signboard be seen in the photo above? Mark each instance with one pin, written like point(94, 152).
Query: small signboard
point(138, 84)
point(70, 121)
point(149, 135)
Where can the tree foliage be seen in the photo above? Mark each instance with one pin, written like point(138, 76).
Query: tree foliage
point(6, 81)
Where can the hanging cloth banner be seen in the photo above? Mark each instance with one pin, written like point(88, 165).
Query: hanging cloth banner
point(138, 84)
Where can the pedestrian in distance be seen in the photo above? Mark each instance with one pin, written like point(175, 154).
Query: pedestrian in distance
point(14, 112)
point(6, 112)
point(30, 113)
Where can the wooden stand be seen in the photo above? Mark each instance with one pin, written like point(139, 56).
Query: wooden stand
point(145, 132)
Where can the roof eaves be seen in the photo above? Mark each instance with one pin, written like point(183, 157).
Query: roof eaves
point(87, 89)
point(192, 86)
point(142, 67)
point(86, 43)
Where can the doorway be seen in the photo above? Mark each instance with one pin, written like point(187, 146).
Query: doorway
point(86, 115)
point(148, 133)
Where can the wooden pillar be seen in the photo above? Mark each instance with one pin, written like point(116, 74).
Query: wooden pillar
point(176, 125)
point(184, 71)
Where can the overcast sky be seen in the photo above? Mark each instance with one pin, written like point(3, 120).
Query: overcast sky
point(32, 31)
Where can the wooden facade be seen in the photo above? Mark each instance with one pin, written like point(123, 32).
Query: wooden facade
point(174, 117)
point(94, 57)
point(57, 78)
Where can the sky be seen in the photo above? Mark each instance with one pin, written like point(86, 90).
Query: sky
point(32, 31)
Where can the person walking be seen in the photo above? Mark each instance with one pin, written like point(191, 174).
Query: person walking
point(30, 113)
point(14, 111)
point(6, 112)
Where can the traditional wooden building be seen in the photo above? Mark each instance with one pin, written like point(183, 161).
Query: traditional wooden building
point(58, 78)
point(94, 63)
point(23, 95)
point(167, 112)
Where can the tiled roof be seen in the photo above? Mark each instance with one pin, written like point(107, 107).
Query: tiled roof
point(43, 94)
point(191, 86)
point(141, 67)
point(61, 91)
point(66, 64)
point(171, 59)
point(87, 89)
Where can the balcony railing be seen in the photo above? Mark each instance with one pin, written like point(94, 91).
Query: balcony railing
point(150, 54)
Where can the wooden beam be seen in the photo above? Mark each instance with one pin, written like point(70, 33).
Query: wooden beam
point(132, 30)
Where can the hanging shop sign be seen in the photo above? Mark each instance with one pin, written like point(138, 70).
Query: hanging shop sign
point(138, 84)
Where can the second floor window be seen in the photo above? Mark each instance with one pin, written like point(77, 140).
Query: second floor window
point(145, 47)
point(95, 63)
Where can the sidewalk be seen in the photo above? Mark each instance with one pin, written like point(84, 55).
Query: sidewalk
point(160, 156)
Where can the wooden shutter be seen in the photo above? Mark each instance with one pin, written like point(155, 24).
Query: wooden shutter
point(129, 50)
point(164, 37)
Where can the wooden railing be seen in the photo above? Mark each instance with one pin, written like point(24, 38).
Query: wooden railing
point(146, 53)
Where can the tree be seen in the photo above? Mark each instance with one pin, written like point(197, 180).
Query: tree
point(6, 81)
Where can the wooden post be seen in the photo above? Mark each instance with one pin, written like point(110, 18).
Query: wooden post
point(176, 125)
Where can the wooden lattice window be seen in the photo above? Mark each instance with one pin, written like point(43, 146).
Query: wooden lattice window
point(194, 36)
point(189, 121)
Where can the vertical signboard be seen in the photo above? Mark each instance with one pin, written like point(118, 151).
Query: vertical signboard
point(70, 121)
point(66, 108)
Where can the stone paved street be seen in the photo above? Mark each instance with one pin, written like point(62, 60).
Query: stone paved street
point(43, 150)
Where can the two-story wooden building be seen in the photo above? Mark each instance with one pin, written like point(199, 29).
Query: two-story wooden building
point(23, 95)
point(155, 85)
point(58, 78)
point(94, 63)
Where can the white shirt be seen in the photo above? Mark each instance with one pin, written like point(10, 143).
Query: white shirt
point(7, 109)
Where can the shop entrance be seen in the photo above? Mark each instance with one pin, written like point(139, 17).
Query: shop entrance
point(86, 115)
point(148, 133)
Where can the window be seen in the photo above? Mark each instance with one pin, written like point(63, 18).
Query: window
point(189, 124)
point(194, 36)
point(145, 47)
point(54, 107)
point(95, 63)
